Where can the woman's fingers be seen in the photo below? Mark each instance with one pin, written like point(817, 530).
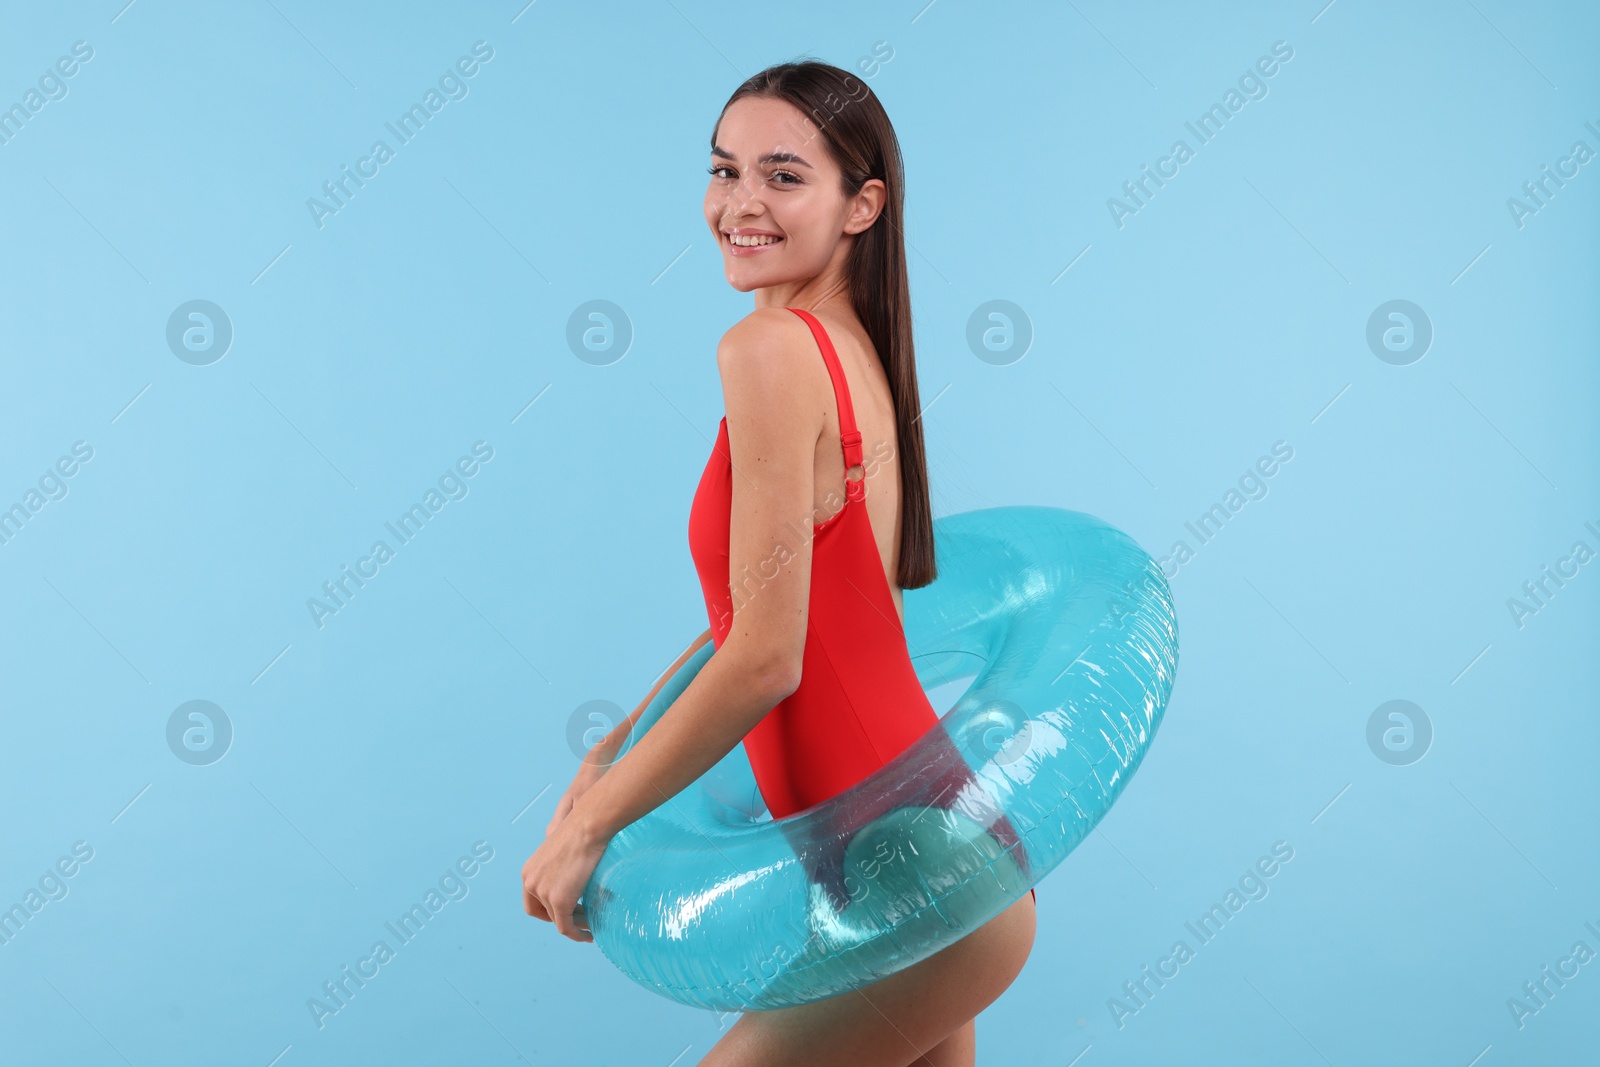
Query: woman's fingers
point(534, 906)
point(567, 924)
point(572, 922)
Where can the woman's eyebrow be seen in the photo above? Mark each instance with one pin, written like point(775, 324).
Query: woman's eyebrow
point(771, 157)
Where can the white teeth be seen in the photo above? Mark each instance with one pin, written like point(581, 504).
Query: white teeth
point(751, 242)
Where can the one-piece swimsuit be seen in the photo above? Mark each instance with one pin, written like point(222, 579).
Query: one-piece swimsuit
point(859, 702)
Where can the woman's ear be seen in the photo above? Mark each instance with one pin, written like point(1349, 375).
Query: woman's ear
point(868, 204)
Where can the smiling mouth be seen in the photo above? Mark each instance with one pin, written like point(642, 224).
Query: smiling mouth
point(749, 243)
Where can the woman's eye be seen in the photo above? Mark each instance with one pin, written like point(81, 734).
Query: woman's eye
point(717, 172)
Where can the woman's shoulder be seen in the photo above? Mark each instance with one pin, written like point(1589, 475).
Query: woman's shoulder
point(770, 349)
point(762, 326)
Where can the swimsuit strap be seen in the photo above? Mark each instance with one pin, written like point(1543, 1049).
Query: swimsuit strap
point(849, 436)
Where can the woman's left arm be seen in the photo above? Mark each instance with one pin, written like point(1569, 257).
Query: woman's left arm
point(770, 387)
point(713, 713)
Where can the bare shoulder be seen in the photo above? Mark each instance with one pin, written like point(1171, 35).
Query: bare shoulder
point(768, 359)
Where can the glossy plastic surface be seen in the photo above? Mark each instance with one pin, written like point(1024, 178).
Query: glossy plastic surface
point(1069, 629)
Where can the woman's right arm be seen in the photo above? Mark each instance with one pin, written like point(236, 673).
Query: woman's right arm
point(605, 751)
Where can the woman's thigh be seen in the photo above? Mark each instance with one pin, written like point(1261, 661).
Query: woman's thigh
point(897, 1021)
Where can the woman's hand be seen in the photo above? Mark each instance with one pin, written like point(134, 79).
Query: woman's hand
point(554, 877)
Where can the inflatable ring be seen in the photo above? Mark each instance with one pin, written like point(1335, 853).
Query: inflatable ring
point(1069, 628)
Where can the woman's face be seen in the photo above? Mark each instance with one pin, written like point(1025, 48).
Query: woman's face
point(774, 201)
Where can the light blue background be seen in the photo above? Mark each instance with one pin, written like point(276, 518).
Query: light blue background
point(432, 711)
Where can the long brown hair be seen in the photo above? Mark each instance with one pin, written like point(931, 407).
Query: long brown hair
point(859, 137)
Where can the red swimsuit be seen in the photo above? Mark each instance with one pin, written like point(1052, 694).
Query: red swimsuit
point(859, 703)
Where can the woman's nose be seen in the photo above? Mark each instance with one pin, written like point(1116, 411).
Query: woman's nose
point(747, 194)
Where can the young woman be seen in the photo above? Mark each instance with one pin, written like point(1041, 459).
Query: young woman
point(811, 670)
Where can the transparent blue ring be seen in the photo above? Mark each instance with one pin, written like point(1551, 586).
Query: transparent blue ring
point(1066, 626)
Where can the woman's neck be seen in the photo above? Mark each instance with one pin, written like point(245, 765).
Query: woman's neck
point(813, 293)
